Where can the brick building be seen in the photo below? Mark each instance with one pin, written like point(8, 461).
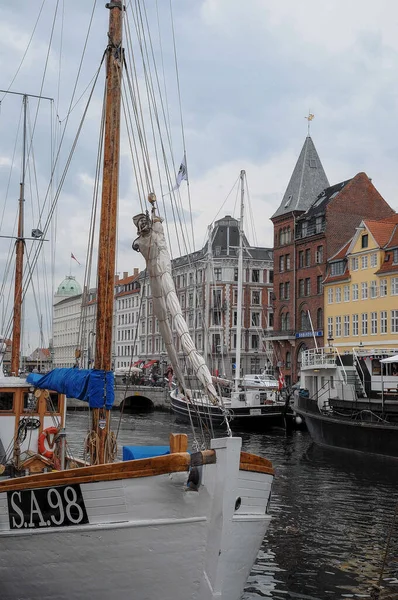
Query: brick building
point(311, 224)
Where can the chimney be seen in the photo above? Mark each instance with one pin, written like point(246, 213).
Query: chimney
point(116, 279)
point(125, 274)
point(136, 271)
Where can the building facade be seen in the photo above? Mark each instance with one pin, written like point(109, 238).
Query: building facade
point(127, 313)
point(361, 288)
point(206, 285)
point(310, 225)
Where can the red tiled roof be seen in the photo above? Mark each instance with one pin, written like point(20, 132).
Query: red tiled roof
point(127, 293)
point(382, 230)
point(127, 280)
point(342, 252)
point(336, 278)
point(393, 241)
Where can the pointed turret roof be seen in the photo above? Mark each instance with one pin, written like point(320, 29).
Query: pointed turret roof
point(306, 183)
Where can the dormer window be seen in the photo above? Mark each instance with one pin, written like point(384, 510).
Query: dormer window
point(364, 240)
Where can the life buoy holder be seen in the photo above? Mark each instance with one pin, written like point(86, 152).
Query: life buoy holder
point(45, 435)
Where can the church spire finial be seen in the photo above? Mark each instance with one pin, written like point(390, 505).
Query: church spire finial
point(309, 119)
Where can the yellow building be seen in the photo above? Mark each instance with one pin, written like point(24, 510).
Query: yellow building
point(361, 289)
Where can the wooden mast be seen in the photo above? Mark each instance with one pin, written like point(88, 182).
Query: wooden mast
point(107, 239)
point(19, 251)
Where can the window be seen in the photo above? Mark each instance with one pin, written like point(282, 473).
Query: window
point(319, 285)
point(346, 293)
point(338, 326)
point(305, 322)
point(255, 319)
point(255, 341)
point(6, 401)
point(364, 262)
point(373, 289)
point(281, 291)
point(394, 286)
point(364, 290)
point(319, 318)
point(365, 240)
point(236, 274)
point(191, 279)
point(301, 258)
point(330, 295)
point(394, 321)
point(319, 254)
point(301, 288)
point(308, 286)
point(255, 275)
point(308, 257)
point(217, 273)
point(383, 321)
point(346, 325)
point(287, 290)
point(373, 323)
point(235, 318)
point(383, 287)
point(364, 323)
point(271, 277)
point(235, 296)
point(395, 256)
point(318, 224)
point(287, 262)
point(330, 327)
point(288, 361)
point(338, 294)
point(355, 325)
point(255, 297)
point(354, 264)
point(373, 259)
point(304, 229)
point(285, 321)
point(337, 268)
point(190, 300)
point(281, 263)
point(355, 294)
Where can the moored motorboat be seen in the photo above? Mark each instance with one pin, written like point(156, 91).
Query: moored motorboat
point(346, 400)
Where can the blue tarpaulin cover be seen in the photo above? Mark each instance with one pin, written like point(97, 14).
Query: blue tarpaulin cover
point(134, 452)
point(95, 386)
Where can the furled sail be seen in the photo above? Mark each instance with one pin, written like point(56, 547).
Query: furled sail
point(151, 243)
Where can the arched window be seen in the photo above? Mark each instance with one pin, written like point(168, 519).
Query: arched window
point(288, 360)
point(283, 322)
point(288, 235)
point(319, 318)
point(287, 316)
point(280, 237)
point(304, 320)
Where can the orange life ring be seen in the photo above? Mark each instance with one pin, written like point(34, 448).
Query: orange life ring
point(45, 436)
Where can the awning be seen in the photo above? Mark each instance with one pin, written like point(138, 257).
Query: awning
point(149, 364)
point(137, 363)
point(390, 359)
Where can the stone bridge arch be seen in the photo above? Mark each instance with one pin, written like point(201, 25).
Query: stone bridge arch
point(136, 403)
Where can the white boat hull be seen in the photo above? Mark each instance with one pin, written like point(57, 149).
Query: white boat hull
point(146, 538)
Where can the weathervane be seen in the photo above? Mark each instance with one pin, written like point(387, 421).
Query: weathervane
point(309, 119)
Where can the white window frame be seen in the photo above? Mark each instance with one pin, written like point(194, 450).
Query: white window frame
point(364, 290)
point(364, 324)
point(355, 329)
point(355, 292)
point(383, 322)
point(373, 323)
point(338, 327)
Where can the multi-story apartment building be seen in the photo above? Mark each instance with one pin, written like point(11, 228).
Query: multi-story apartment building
point(74, 322)
point(127, 311)
point(312, 222)
point(206, 284)
point(361, 288)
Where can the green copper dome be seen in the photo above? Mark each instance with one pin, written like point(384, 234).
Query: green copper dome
point(69, 287)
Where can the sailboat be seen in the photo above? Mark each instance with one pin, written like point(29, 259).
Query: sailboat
point(185, 525)
point(254, 403)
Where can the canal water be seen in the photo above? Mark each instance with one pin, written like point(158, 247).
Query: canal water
point(332, 512)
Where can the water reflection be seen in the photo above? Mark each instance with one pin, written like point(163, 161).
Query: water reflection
point(332, 512)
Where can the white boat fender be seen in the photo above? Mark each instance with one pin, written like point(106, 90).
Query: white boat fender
point(298, 420)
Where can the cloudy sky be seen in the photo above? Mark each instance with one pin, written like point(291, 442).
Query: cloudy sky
point(249, 72)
